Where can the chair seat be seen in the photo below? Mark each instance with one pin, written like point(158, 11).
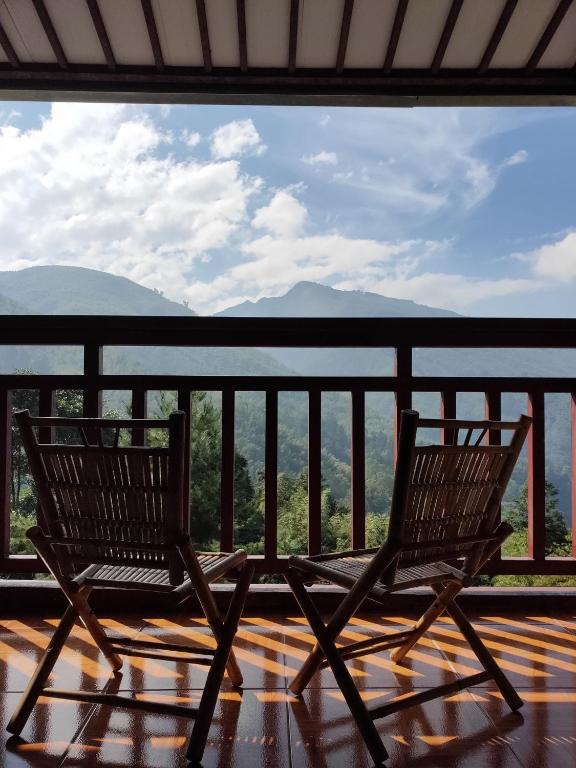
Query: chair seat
point(345, 571)
point(213, 564)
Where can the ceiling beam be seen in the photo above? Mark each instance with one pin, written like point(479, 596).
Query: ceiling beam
point(153, 33)
point(8, 48)
point(499, 30)
point(204, 35)
point(48, 27)
point(100, 28)
point(293, 39)
point(449, 25)
point(242, 44)
point(548, 33)
point(344, 33)
point(395, 34)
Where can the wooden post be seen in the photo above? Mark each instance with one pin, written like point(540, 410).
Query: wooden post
point(139, 411)
point(5, 468)
point(447, 411)
point(92, 371)
point(403, 398)
point(358, 470)
point(227, 473)
point(184, 404)
point(536, 478)
point(573, 474)
point(314, 473)
point(271, 478)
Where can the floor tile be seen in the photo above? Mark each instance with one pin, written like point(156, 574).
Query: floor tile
point(46, 736)
point(248, 729)
point(441, 733)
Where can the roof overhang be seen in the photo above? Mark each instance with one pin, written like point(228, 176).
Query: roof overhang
point(324, 52)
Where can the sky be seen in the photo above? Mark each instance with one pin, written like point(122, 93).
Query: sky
point(472, 209)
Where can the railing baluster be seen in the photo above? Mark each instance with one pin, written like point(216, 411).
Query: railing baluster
point(185, 404)
point(358, 469)
point(447, 411)
point(573, 465)
point(5, 467)
point(536, 478)
point(314, 472)
point(92, 370)
point(403, 397)
point(139, 411)
point(227, 472)
point(271, 477)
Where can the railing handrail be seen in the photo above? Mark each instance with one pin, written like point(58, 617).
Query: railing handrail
point(123, 330)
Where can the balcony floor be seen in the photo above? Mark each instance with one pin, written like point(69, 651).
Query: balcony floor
point(265, 726)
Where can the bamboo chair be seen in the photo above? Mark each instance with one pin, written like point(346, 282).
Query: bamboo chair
point(443, 528)
point(113, 517)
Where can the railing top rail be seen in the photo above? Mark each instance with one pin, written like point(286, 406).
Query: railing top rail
point(117, 330)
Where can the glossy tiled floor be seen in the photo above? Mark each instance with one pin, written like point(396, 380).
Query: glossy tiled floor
point(264, 726)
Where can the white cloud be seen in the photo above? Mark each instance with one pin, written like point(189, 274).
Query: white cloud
point(516, 159)
point(555, 261)
point(236, 139)
point(285, 216)
point(324, 120)
point(91, 187)
point(191, 138)
point(322, 158)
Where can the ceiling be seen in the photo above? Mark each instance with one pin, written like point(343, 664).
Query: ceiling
point(370, 52)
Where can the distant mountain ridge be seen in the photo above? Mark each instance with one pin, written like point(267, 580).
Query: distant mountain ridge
point(308, 299)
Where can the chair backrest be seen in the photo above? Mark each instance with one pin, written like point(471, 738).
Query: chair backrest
point(96, 495)
point(446, 498)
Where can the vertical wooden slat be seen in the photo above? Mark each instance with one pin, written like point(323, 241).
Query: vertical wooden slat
point(493, 412)
point(204, 35)
point(293, 38)
point(5, 467)
point(92, 370)
point(139, 411)
point(242, 44)
point(46, 407)
point(148, 12)
point(401, 9)
point(344, 33)
point(314, 472)
point(102, 33)
point(403, 397)
point(447, 411)
point(227, 472)
point(573, 465)
point(536, 478)
point(271, 477)
point(358, 469)
point(184, 404)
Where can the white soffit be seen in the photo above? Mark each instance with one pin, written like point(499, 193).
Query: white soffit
point(420, 34)
point(370, 29)
point(23, 27)
point(126, 27)
point(177, 25)
point(319, 33)
point(472, 32)
point(223, 32)
point(526, 26)
point(267, 32)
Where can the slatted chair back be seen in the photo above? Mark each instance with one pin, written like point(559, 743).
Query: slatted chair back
point(446, 498)
point(96, 495)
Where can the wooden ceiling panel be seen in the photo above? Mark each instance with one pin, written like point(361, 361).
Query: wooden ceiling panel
point(267, 32)
point(177, 24)
point(526, 26)
point(319, 33)
point(421, 32)
point(73, 25)
point(562, 49)
point(127, 31)
point(472, 33)
point(223, 31)
point(24, 28)
point(369, 33)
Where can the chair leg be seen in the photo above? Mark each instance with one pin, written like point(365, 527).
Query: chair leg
point(206, 599)
point(218, 666)
point(325, 638)
point(444, 597)
point(41, 674)
point(484, 656)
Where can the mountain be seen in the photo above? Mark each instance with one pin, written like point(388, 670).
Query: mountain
point(58, 290)
point(307, 299)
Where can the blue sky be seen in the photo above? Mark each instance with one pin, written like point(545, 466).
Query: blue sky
point(469, 209)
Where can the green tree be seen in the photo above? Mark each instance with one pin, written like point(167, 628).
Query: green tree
point(557, 534)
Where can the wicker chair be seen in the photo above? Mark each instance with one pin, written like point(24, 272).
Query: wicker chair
point(443, 528)
point(113, 516)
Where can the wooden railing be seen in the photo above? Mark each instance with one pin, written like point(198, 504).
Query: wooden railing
point(403, 335)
